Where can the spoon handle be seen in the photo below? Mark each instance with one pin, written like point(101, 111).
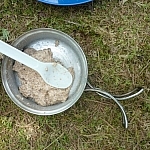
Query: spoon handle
point(18, 55)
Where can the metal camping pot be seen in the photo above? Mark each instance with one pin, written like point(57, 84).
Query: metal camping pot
point(70, 54)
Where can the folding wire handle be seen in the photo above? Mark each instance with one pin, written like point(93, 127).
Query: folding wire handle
point(116, 98)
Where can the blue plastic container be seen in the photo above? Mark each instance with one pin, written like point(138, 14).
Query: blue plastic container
point(65, 2)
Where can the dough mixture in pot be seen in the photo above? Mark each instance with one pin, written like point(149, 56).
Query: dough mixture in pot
point(32, 84)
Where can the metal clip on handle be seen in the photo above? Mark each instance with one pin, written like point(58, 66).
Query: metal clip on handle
point(116, 98)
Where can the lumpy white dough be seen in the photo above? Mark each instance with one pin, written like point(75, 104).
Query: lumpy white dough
point(32, 84)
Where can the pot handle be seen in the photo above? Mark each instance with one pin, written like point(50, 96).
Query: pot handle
point(116, 98)
point(125, 120)
point(126, 96)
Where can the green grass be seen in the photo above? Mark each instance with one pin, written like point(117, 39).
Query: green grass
point(116, 41)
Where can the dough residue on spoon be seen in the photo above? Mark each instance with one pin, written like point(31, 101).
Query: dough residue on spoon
point(32, 84)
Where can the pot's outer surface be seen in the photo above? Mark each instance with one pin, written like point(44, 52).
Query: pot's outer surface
point(67, 51)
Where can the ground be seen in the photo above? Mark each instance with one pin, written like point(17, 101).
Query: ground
point(115, 38)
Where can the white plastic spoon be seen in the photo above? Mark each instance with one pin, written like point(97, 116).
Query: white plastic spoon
point(52, 73)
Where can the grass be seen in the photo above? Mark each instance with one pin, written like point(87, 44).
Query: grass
point(115, 39)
